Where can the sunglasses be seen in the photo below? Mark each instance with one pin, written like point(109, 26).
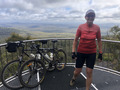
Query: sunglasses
point(90, 15)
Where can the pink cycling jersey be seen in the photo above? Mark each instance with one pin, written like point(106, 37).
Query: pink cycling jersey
point(87, 36)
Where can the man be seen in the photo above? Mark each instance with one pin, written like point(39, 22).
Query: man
point(86, 50)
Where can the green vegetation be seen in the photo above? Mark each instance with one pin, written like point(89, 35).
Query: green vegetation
point(6, 32)
point(112, 52)
point(17, 37)
point(113, 34)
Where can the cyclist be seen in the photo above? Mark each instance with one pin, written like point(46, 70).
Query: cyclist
point(86, 50)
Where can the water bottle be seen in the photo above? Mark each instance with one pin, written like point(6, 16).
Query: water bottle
point(38, 56)
point(46, 55)
point(51, 56)
point(32, 55)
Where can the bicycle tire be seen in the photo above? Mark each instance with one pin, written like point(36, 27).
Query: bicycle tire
point(10, 73)
point(61, 59)
point(30, 68)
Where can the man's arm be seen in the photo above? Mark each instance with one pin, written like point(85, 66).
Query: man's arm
point(75, 43)
point(100, 48)
point(74, 47)
point(99, 45)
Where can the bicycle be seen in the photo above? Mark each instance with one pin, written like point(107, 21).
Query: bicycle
point(56, 60)
point(11, 69)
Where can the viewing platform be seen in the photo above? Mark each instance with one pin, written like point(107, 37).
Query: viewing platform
point(59, 80)
point(106, 75)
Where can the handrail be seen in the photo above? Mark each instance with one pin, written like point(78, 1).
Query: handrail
point(112, 41)
point(68, 44)
point(103, 40)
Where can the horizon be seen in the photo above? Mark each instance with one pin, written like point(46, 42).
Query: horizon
point(54, 27)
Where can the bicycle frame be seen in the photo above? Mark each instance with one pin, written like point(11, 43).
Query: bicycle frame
point(45, 58)
point(42, 52)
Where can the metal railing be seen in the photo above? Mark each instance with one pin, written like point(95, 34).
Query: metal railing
point(111, 52)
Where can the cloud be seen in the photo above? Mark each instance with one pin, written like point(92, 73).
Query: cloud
point(58, 10)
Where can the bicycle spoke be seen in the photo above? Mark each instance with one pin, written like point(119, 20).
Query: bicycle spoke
point(35, 74)
point(29, 79)
point(61, 60)
point(10, 75)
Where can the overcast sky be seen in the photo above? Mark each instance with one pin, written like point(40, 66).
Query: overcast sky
point(59, 10)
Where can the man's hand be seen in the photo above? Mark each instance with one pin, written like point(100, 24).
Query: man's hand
point(100, 57)
point(74, 55)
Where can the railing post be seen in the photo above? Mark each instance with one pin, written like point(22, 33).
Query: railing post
point(1, 65)
point(1, 58)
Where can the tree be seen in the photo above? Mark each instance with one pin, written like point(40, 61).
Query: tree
point(116, 32)
point(16, 37)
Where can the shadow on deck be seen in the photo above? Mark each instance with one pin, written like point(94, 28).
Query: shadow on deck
point(59, 80)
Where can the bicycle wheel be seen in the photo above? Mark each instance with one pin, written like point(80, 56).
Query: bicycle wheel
point(9, 75)
point(32, 73)
point(61, 59)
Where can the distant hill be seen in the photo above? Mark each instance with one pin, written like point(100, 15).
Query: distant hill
point(48, 27)
point(43, 27)
point(45, 30)
point(5, 32)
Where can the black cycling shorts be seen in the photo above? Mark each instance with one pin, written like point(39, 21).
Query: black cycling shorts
point(88, 58)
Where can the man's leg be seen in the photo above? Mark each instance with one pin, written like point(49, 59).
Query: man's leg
point(75, 75)
point(89, 77)
point(90, 61)
point(79, 64)
point(76, 72)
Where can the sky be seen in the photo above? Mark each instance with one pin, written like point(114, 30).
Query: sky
point(67, 11)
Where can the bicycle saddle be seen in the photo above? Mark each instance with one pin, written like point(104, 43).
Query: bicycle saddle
point(44, 41)
point(54, 41)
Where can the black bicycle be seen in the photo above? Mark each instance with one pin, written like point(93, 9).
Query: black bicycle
point(9, 75)
point(29, 74)
point(53, 57)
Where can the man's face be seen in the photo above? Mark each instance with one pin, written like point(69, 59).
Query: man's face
point(90, 18)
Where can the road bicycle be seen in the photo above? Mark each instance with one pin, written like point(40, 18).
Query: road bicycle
point(9, 75)
point(51, 57)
